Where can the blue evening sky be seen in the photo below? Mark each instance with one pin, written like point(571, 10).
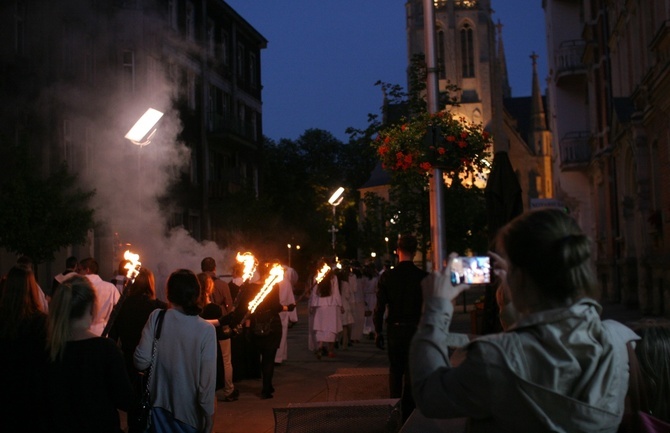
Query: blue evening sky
point(324, 56)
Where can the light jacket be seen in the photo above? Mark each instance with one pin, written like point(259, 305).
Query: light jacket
point(561, 370)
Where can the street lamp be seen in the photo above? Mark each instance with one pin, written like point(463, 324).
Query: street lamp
point(144, 129)
point(386, 239)
point(335, 200)
point(140, 135)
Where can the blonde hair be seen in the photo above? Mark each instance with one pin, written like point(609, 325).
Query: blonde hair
point(72, 299)
point(206, 287)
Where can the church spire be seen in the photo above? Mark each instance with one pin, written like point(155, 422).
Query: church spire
point(506, 89)
point(539, 122)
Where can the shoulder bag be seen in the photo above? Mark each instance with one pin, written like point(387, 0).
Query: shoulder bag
point(144, 413)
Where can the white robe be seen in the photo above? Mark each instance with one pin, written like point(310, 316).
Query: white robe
point(327, 321)
point(286, 297)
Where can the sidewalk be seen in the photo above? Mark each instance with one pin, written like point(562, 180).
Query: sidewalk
point(303, 378)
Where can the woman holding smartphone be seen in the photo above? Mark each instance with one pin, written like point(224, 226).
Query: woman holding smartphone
point(557, 367)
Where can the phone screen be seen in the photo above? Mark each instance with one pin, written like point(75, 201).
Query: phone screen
point(471, 270)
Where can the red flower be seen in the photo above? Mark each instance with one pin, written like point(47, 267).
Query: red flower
point(462, 144)
point(441, 150)
point(387, 140)
point(451, 138)
point(403, 127)
point(485, 135)
point(425, 166)
point(464, 135)
point(383, 150)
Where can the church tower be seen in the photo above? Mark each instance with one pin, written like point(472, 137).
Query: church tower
point(466, 55)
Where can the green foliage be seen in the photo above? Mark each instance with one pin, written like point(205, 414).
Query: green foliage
point(39, 215)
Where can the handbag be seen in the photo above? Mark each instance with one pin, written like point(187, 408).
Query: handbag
point(144, 413)
point(636, 415)
point(262, 329)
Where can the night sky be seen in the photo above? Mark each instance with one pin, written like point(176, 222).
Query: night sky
point(324, 56)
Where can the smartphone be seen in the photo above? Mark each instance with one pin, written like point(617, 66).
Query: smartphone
point(471, 270)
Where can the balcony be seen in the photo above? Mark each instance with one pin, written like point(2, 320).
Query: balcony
point(575, 150)
point(568, 59)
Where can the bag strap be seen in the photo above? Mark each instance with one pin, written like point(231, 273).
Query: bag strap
point(157, 336)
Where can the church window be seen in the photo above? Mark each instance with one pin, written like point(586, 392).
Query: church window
point(467, 52)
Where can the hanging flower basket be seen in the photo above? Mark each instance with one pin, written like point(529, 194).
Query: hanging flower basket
point(431, 141)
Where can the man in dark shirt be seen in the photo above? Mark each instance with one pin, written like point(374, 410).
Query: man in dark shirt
point(399, 290)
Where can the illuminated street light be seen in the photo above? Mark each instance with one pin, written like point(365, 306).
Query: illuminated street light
point(335, 200)
point(144, 129)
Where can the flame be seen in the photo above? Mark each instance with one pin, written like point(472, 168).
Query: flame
point(276, 275)
point(250, 264)
point(322, 273)
point(134, 266)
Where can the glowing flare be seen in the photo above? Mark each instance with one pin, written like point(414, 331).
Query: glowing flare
point(322, 273)
point(133, 266)
point(250, 264)
point(276, 275)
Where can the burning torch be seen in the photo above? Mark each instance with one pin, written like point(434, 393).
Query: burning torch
point(133, 269)
point(275, 276)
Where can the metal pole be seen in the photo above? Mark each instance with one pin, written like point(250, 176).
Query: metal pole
point(436, 184)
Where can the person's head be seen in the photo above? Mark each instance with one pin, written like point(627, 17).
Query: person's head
point(71, 263)
point(89, 266)
point(208, 264)
point(73, 305)
point(144, 284)
point(548, 259)
point(25, 262)
point(238, 269)
point(653, 354)
point(183, 290)
point(19, 299)
point(407, 245)
point(121, 270)
point(206, 288)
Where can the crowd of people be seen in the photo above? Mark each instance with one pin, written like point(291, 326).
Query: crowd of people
point(77, 353)
point(80, 351)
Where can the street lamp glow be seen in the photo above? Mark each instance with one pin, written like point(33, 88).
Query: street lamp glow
point(373, 254)
point(144, 127)
point(336, 198)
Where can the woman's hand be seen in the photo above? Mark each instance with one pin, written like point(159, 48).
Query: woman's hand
point(503, 293)
point(438, 284)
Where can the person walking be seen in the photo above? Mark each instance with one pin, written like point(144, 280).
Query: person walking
point(286, 297)
point(106, 294)
point(221, 296)
point(558, 367)
point(326, 304)
point(23, 357)
point(87, 383)
point(399, 291)
point(183, 382)
point(71, 264)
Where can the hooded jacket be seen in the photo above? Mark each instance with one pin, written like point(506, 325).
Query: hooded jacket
point(561, 370)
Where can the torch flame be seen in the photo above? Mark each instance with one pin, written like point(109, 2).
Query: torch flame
point(276, 275)
point(322, 273)
point(250, 264)
point(133, 266)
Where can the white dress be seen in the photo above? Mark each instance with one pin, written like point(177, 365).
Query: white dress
point(327, 321)
point(286, 297)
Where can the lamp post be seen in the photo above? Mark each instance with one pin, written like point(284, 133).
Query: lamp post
point(335, 200)
point(140, 135)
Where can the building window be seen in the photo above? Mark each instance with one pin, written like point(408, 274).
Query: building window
point(467, 52)
point(252, 70)
point(211, 44)
point(128, 76)
point(19, 28)
point(190, 21)
point(190, 89)
point(240, 61)
point(172, 14)
point(68, 151)
point(441, 50)
point(89, 61)
point(225, 48)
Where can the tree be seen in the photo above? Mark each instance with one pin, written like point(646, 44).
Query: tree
point(40, 215)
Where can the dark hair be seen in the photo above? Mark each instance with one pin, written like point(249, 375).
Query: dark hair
point(183, 289)
point(550, 247)
point(90, 264)
point(407, 243)
point(653, 353)
point(208, 264)
point(144, 284)
point(71, 262)
point(19, 300)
